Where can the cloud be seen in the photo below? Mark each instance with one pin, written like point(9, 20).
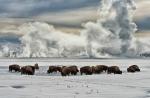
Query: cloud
point(29, 8)
point(73, 18)
point(63, 14)
point(32, 8)
point(143, 9)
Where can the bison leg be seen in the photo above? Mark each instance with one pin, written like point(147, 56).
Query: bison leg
point(48, 71)
point(138, 70)
point(81, 73)
point(75, 73)
point(16, 70)
point(10, 70)
point(109, 72)
point(62, 74)
point(105, 70)
point(22, 73)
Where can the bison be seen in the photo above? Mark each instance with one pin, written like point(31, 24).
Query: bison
point(14, 67)
point(33, 67)
point(73, 70)
point(65, 71)
point(133, 68)
point(86, 70)
point(52, 69)
point(104, 67)
point(28, 70)
point(99, 68)
point(114, 69)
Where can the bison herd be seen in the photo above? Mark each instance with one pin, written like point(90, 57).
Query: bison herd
point(28, 70)
point(73, 70)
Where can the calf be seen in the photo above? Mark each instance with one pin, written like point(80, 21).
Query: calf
point(14, 67)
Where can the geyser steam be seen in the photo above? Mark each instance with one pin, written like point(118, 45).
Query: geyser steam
point(42, 40)
point(114, 30)
point(111, 36)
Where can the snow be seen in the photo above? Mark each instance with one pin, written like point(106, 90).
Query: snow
point(42, 85)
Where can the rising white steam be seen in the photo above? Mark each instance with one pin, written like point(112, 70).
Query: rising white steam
point(42, 40)
point(114, 31)
point(112, 36)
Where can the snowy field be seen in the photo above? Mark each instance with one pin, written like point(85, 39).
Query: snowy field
point(41, 85)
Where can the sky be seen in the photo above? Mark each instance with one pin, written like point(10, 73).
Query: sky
point(30, 8)
point(67, 15)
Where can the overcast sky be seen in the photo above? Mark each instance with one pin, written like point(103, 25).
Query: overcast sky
point(30, 8)
point(64, 12)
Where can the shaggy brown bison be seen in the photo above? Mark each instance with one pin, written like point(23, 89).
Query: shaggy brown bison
point(14, 67)
point(73, 70)
point(114, 69)
point(65, 71)
point(99, 68)
point(52, 69)
point(133, 68)
point(86, 70)
point(28, 70)
point(34, 67)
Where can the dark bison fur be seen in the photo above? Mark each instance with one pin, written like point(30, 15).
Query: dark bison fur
point(66, 71)
point(73, 70)
point(133, 68)
point(114, 69)
point(99, 68)
point(14, 67)
point(52, 69)
point(28, 70)
point(86, 70)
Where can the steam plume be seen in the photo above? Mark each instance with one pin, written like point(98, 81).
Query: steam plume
point(111, 36)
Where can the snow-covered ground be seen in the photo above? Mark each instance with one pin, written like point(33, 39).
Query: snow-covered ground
point(41, 85)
